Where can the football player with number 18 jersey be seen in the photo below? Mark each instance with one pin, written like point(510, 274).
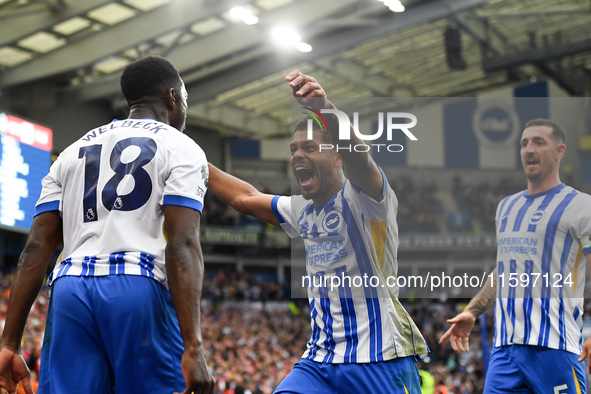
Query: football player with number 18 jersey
point(125, 294)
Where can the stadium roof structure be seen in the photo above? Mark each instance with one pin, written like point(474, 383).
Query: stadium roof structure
point(74, 50)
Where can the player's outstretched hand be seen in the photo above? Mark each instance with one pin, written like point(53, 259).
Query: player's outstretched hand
point(459, 332)
point(586, 353)
point(305, 87)
point(13, 369)
point(198, 377)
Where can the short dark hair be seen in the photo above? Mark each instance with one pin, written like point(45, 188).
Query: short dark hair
point(331, 121)
point(557, 130)
point(150, 76)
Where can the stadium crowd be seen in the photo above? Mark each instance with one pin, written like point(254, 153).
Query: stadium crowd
point(254, 334)
point(479, 201)
point(419, 208)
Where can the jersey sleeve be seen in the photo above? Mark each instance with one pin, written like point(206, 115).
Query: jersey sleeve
point(375, 210)
point(500, 206)
point(51, 191)
point(187, 181)
point(580, 223)
point(285, 213)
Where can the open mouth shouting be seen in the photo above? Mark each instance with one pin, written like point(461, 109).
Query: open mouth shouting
point(305, 176)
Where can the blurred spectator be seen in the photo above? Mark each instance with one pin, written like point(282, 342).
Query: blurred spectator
point(33, 334)
point(453, 372)
point(240, 286)
point(216, 213)
point(478, 202)
point(419, 210)
point(252, 350)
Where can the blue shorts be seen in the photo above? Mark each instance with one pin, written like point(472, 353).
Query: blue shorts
point(397, 376)
point(111, 334)
point(534, 369)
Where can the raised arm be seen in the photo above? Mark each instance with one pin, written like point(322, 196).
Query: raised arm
point(184, 269)
point(241, 196)
point(44, 238)
point(360, 168)
point(462, 324)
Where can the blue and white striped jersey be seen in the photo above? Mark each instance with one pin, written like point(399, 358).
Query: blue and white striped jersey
point(542, 240)
point(111, 186)
point(351, 236)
